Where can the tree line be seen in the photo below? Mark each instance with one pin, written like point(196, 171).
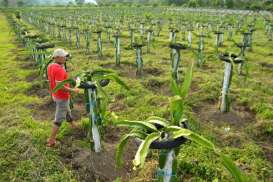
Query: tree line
point(231, 4)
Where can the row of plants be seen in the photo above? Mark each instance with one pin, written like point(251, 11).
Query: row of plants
point(82, 26)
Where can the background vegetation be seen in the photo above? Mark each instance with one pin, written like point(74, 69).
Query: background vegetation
point(233, 4)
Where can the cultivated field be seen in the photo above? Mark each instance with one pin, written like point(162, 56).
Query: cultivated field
point(210, 69)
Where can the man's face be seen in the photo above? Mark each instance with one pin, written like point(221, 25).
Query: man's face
point(59, 59)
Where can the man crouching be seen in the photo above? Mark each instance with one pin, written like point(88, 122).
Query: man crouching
point(56, 74)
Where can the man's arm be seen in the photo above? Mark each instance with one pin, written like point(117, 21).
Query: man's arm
point(67, 89)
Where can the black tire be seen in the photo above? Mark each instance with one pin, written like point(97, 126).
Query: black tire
point(85, 85)
point(169, 144)
point(104, 82)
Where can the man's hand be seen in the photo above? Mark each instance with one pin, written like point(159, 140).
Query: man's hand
point(76, 90)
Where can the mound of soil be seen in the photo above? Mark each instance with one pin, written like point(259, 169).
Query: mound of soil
point(117, 106)
point(23, 58)
point(38, 89)
point(29, 65)
point(158, 87)
point(153, 71)
point(46, 111)
point(238, 117)
point(32, 77)
point(268, 150)
point(91, 166)
point(266, 65)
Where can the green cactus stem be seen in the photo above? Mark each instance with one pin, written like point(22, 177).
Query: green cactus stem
point(173, 33)
point(77, 38)
point(230, 32)
point(87, 37)
point(117, 46)
point(229, 59)
point(149, 40)
point(99, 43)
point(139, 60)
point(189, 38)
point(175, 58)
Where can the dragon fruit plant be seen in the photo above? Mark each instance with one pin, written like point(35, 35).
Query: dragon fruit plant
point(132, 30)
point(173, 32)
point(230, 31)
point(78, 38)
point(98, 31)
point(176, 58)
point(190, 36)
point(200, 50)
point(156, 133)
point(159, 27)
point(138, 44)
point(95, 98)
point(117, 46)
point(229, 59)
point(87, 38)
point(149, 39)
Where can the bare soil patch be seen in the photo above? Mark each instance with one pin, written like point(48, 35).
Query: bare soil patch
point(38, 89)
point(158, 87)
point(266, 65)
point(238, 116)
point(46, 111)
point(29, 65)
point(268, 150)
point(153, 71)
point(32, 77)
point(117, 106)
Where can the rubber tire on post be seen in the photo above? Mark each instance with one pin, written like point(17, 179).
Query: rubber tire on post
point(104, 82)
point(168, 144)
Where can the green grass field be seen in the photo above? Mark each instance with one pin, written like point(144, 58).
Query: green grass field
point(27, 113)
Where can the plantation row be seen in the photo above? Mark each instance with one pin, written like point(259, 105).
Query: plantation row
point(80, 29)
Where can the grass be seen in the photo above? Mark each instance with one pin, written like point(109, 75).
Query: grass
point(24, 156)
point(22, 139)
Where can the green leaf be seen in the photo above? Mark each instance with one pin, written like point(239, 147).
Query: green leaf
point(121, 146)
point(232, 168)
point(100, 89)
point(136, 124)
point(157, 120)
point(174, 87)
point(181, 132)
point(62, 84)
point(201, 141)
point(100, 72)
point(116, 79)
point(193, 137)
point(172, 128)
point(185, 87)
point(44, 67)
point(177, 108)
point(144, 149)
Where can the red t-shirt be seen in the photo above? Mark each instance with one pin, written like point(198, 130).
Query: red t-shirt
point(55, 73)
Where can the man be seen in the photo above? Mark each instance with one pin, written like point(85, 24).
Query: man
point(56, 74)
